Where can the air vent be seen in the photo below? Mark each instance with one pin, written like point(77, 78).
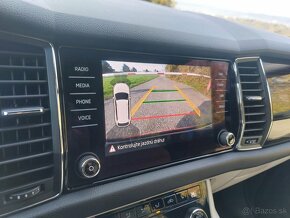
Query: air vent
point(256, 108)
point(28, 170)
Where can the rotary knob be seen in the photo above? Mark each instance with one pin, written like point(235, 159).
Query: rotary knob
point(89, 166)
point(226, 138)
point(196, 212)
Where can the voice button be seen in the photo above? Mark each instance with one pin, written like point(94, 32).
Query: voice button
point(84, 117)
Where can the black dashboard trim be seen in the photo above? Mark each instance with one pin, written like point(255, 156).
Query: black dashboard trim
point(66, 23)
point(95, 200)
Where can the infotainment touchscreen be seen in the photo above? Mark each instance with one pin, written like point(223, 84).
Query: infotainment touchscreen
point(147, 103)
point(134, 111)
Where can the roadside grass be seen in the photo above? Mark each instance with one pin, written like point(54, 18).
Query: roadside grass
point(198, 83)
point(131, 81)
point(280, 94)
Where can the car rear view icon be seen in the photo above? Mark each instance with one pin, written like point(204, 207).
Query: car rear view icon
point(122, 104)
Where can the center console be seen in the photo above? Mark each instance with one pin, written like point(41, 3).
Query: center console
point(188, 201)
point(128, 112)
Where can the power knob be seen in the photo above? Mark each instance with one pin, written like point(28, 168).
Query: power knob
point(89, 166)
point(226, 138)
point(196, 212)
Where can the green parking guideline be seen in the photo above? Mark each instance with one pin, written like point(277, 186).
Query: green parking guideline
point(162, 101)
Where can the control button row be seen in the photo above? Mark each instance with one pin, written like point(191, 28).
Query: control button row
point(219, 99)
point(137, 212)
point(192, 193)
point(83, 98)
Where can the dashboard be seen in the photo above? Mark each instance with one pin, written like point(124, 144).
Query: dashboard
point(126, 109)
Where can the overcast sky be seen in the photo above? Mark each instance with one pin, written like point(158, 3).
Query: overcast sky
point(265, 7)
point(118, 66)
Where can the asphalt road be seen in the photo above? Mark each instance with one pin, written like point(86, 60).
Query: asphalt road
point(148, 117)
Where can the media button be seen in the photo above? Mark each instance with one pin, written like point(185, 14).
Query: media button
point(81, 85)
point(169, 200)
point(157, 204)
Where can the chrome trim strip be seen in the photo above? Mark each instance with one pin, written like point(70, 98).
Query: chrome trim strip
point(254, 98)
point(211, 204)
point(88, 109)
point(50, 46)
point(81, 77)
point(22, 111)
point(82, 93)
point(81, 126)
point(270, 99)
point(59, 117)
point(239, 96)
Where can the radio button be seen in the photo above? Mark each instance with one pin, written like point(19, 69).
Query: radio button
point(81, 68)
point(83, 101)
point(82, 85)
point(85, 117)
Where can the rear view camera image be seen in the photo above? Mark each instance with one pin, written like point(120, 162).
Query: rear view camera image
point(143, 99)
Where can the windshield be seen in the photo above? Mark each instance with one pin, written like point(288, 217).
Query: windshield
point(272, 16)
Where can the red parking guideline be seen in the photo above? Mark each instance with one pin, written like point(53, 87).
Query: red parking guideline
point(163, 116)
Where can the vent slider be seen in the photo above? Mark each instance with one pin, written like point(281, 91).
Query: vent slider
point(22, 111)
point(254, 98)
